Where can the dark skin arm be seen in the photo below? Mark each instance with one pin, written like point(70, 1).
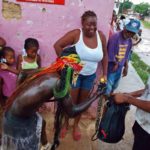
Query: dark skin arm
point(105, 55)
point(131, 98)
point(68, 39)
point(4, 66)
point(19, 60)
point(125, 69)
point(137, 93)
point(39, 61)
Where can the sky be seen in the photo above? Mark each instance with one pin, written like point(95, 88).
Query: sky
point(140, 1)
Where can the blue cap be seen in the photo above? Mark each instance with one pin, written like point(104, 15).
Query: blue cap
point(133, 26)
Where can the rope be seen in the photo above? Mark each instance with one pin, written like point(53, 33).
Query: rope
point(100, 106)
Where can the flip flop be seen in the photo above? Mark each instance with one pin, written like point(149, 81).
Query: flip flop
point(63, 132)
point(46, 147)
point(76, 135)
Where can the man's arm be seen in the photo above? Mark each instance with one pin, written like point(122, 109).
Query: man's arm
point(137, 93)
point(125, 70)
point(131, 98)
point(144, 105)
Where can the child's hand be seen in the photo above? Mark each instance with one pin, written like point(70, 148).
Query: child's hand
point(4, 66)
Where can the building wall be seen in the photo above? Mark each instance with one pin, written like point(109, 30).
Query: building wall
point(47, 22)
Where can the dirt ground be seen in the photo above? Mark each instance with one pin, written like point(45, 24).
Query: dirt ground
point(87, 127)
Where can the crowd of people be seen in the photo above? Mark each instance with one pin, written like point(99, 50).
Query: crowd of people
point(91, 46)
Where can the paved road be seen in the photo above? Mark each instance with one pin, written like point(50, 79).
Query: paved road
point(143, 48)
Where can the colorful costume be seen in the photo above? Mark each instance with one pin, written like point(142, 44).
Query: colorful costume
point(24, 133)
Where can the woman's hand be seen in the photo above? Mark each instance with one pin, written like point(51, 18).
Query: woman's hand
point(103, 79)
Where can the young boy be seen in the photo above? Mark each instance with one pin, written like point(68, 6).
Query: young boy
point(119, 47)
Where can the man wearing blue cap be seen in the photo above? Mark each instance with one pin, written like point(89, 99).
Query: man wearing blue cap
point(119, 47)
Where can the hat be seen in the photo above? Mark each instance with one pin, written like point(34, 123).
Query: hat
point(133, 26)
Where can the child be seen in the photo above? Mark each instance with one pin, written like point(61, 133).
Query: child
point(27, 64)
point(8, 73)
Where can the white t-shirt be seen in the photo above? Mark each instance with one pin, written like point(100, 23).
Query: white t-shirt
point(143, 117)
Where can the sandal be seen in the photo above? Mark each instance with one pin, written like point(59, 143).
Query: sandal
point(46, 147)
point(76, 135)
point(63, 132)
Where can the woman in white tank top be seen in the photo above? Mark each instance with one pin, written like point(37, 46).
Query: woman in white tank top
point(91, 47)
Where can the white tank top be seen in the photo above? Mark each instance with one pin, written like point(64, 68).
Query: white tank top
point(89, 56)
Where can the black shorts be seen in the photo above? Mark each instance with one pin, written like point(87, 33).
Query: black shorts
point(141, 138)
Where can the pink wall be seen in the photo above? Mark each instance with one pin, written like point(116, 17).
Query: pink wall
point(51, 24)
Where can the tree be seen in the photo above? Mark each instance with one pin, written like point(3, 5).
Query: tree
point(142, 8)
point(125, 5)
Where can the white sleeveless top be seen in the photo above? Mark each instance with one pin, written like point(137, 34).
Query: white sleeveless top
point(89, 56)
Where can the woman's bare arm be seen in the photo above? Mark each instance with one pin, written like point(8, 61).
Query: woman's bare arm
point(105, 54)
point(68, 39)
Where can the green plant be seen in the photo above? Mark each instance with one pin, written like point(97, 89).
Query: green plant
point(125, 5)
point(146, 24)
point(142, 8)
point(142, 69)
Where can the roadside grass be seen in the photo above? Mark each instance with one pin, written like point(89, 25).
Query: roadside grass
point(146, 24)
point(142, 69)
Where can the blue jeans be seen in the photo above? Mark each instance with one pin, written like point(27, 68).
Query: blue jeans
point(85, 81)
point(113, 81)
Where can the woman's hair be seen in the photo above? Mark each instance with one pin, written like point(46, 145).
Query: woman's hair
point(87, 14)
point(31, 42)
point(5, 50)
